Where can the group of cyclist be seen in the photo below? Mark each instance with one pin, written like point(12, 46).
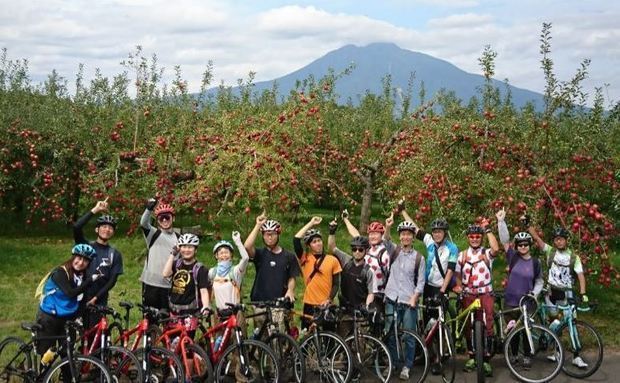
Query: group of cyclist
point(380, 273)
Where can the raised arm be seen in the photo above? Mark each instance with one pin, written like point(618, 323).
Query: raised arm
point(251, 239)
point(493, 244)
point(502, 228)
point(331, 240)
point(525, 221)
point(245, 258)
point(353, 232)
point(78, 227)
point(300, 234)
point(389, 222)
point(145, 220)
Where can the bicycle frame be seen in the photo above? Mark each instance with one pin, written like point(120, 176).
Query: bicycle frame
point(99, 340)
point(439, 325)
point(569, 312)
point(229, 326)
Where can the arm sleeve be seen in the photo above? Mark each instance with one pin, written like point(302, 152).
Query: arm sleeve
point(370, 280)
point(454, 255)
point(419, 286)
point(145, 223)
point(335, 285)
point(504, 235)
point(108, 286)
point(78, 228)
point(203, 278)
point(245, 259)
point(342, 256)
point(299, 249)
point(293, 271)
point(61, 279)
point(538, 281)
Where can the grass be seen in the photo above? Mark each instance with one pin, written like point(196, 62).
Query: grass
point(26, 258)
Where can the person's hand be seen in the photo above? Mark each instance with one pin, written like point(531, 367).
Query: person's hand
point(333, 226)
point(100, 206)
point(389, 221)
point(400, 205)
point(93, 301)
point(316, 220)
point(413, 301)
point(236, 236)
point(584, 299)
point(457, 289)
point(262, 218)
point(175, 250)
point(326, 303)
point(525, 221)
point(150, 204)
point(501, 214)
point(345, 214)
point(290, 295)
point(205, 311)
point(484, 223)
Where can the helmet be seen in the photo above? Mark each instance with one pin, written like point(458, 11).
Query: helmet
point(523, 236)
point(310, 234)
point(106, 220)
point(222, 243)
point(189, 240)
point(406, 225)
point(439, 223)
point(559, 231)
point(360, 242)
point(271, 225)
point(84, 250)
point(474, 229)
point(164, 208)
point(376, 227)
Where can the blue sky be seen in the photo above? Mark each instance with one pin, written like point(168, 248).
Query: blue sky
point(273, 38)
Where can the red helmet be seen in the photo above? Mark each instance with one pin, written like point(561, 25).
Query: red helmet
point(376, 227)
point(164, 208)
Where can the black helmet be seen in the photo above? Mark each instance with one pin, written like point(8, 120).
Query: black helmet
point(106, 220)
point(559, 231)
point(310, 235)
point(474, 229)
point(360, 241)
point(439, 223)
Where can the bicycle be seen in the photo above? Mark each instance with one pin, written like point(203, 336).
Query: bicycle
point(400, 339)
point(123, 364)
point(438, 338)
point(158, 364)
point(245, 360)
point(21, 363)
point(579, 338)
point(290, 357)
point(175, 337)
point(328, 359)
point(371, 357)
point(525, 339)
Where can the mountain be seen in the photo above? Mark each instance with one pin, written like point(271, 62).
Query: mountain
point(374, 61)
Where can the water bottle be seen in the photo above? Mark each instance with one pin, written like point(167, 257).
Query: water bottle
point(554, 325)
point(48, 357)
point(255, 334)
point(430, 324)
point(175, 342)
point(218, 343)
point(510, 326)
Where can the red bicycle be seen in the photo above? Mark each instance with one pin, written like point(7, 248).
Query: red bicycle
point(239, 360)
point(123, 364)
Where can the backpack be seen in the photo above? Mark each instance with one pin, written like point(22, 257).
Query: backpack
point(418, 260)
point(156, 235)
point(38, 292)
point(197, 303)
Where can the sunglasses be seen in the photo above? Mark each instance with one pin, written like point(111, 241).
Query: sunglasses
point(523, 245)
point(360, 249)
point(164, 217)
point(474, 236)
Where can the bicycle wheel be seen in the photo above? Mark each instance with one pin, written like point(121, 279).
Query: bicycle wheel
point(161, 365)
point(328, 361)
point(537, 365)
point(290, 357)
point(479, 349)
point(371, 358)
point(89, 369)
point(585, 343)
point(250, 361)
point(122, 363)
point(409, 340)
point(197, 364)
point(444, 355)
point(15, 360)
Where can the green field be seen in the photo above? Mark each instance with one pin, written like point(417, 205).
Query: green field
point(24, 260)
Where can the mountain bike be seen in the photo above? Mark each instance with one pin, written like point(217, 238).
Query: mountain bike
point(286, 348)
point(579, 338)
point(20, 362)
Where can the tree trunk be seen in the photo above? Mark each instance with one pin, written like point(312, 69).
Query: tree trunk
point(369, 189)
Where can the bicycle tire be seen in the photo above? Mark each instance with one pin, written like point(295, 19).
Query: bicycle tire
point(258, 358)
point(122, 363)
point(447, 360)
point(371, 358)
point(594, 355)
point(422, 359)
point(161, 365)
point(479, 350)
point(91, 370)
point(201, 367)
point(545, 341)
point(290, 358)
point(15, 359)
point(336, 352)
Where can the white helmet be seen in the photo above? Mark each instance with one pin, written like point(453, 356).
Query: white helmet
point(189, 240)
point(271, 225)
point(523, 237)
point(406, 225)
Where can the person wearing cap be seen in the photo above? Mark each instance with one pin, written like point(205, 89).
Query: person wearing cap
point(160, 241)
point(321, 272)
point(108, 262)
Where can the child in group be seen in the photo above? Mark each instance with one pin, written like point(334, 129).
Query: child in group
point(225, 278)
